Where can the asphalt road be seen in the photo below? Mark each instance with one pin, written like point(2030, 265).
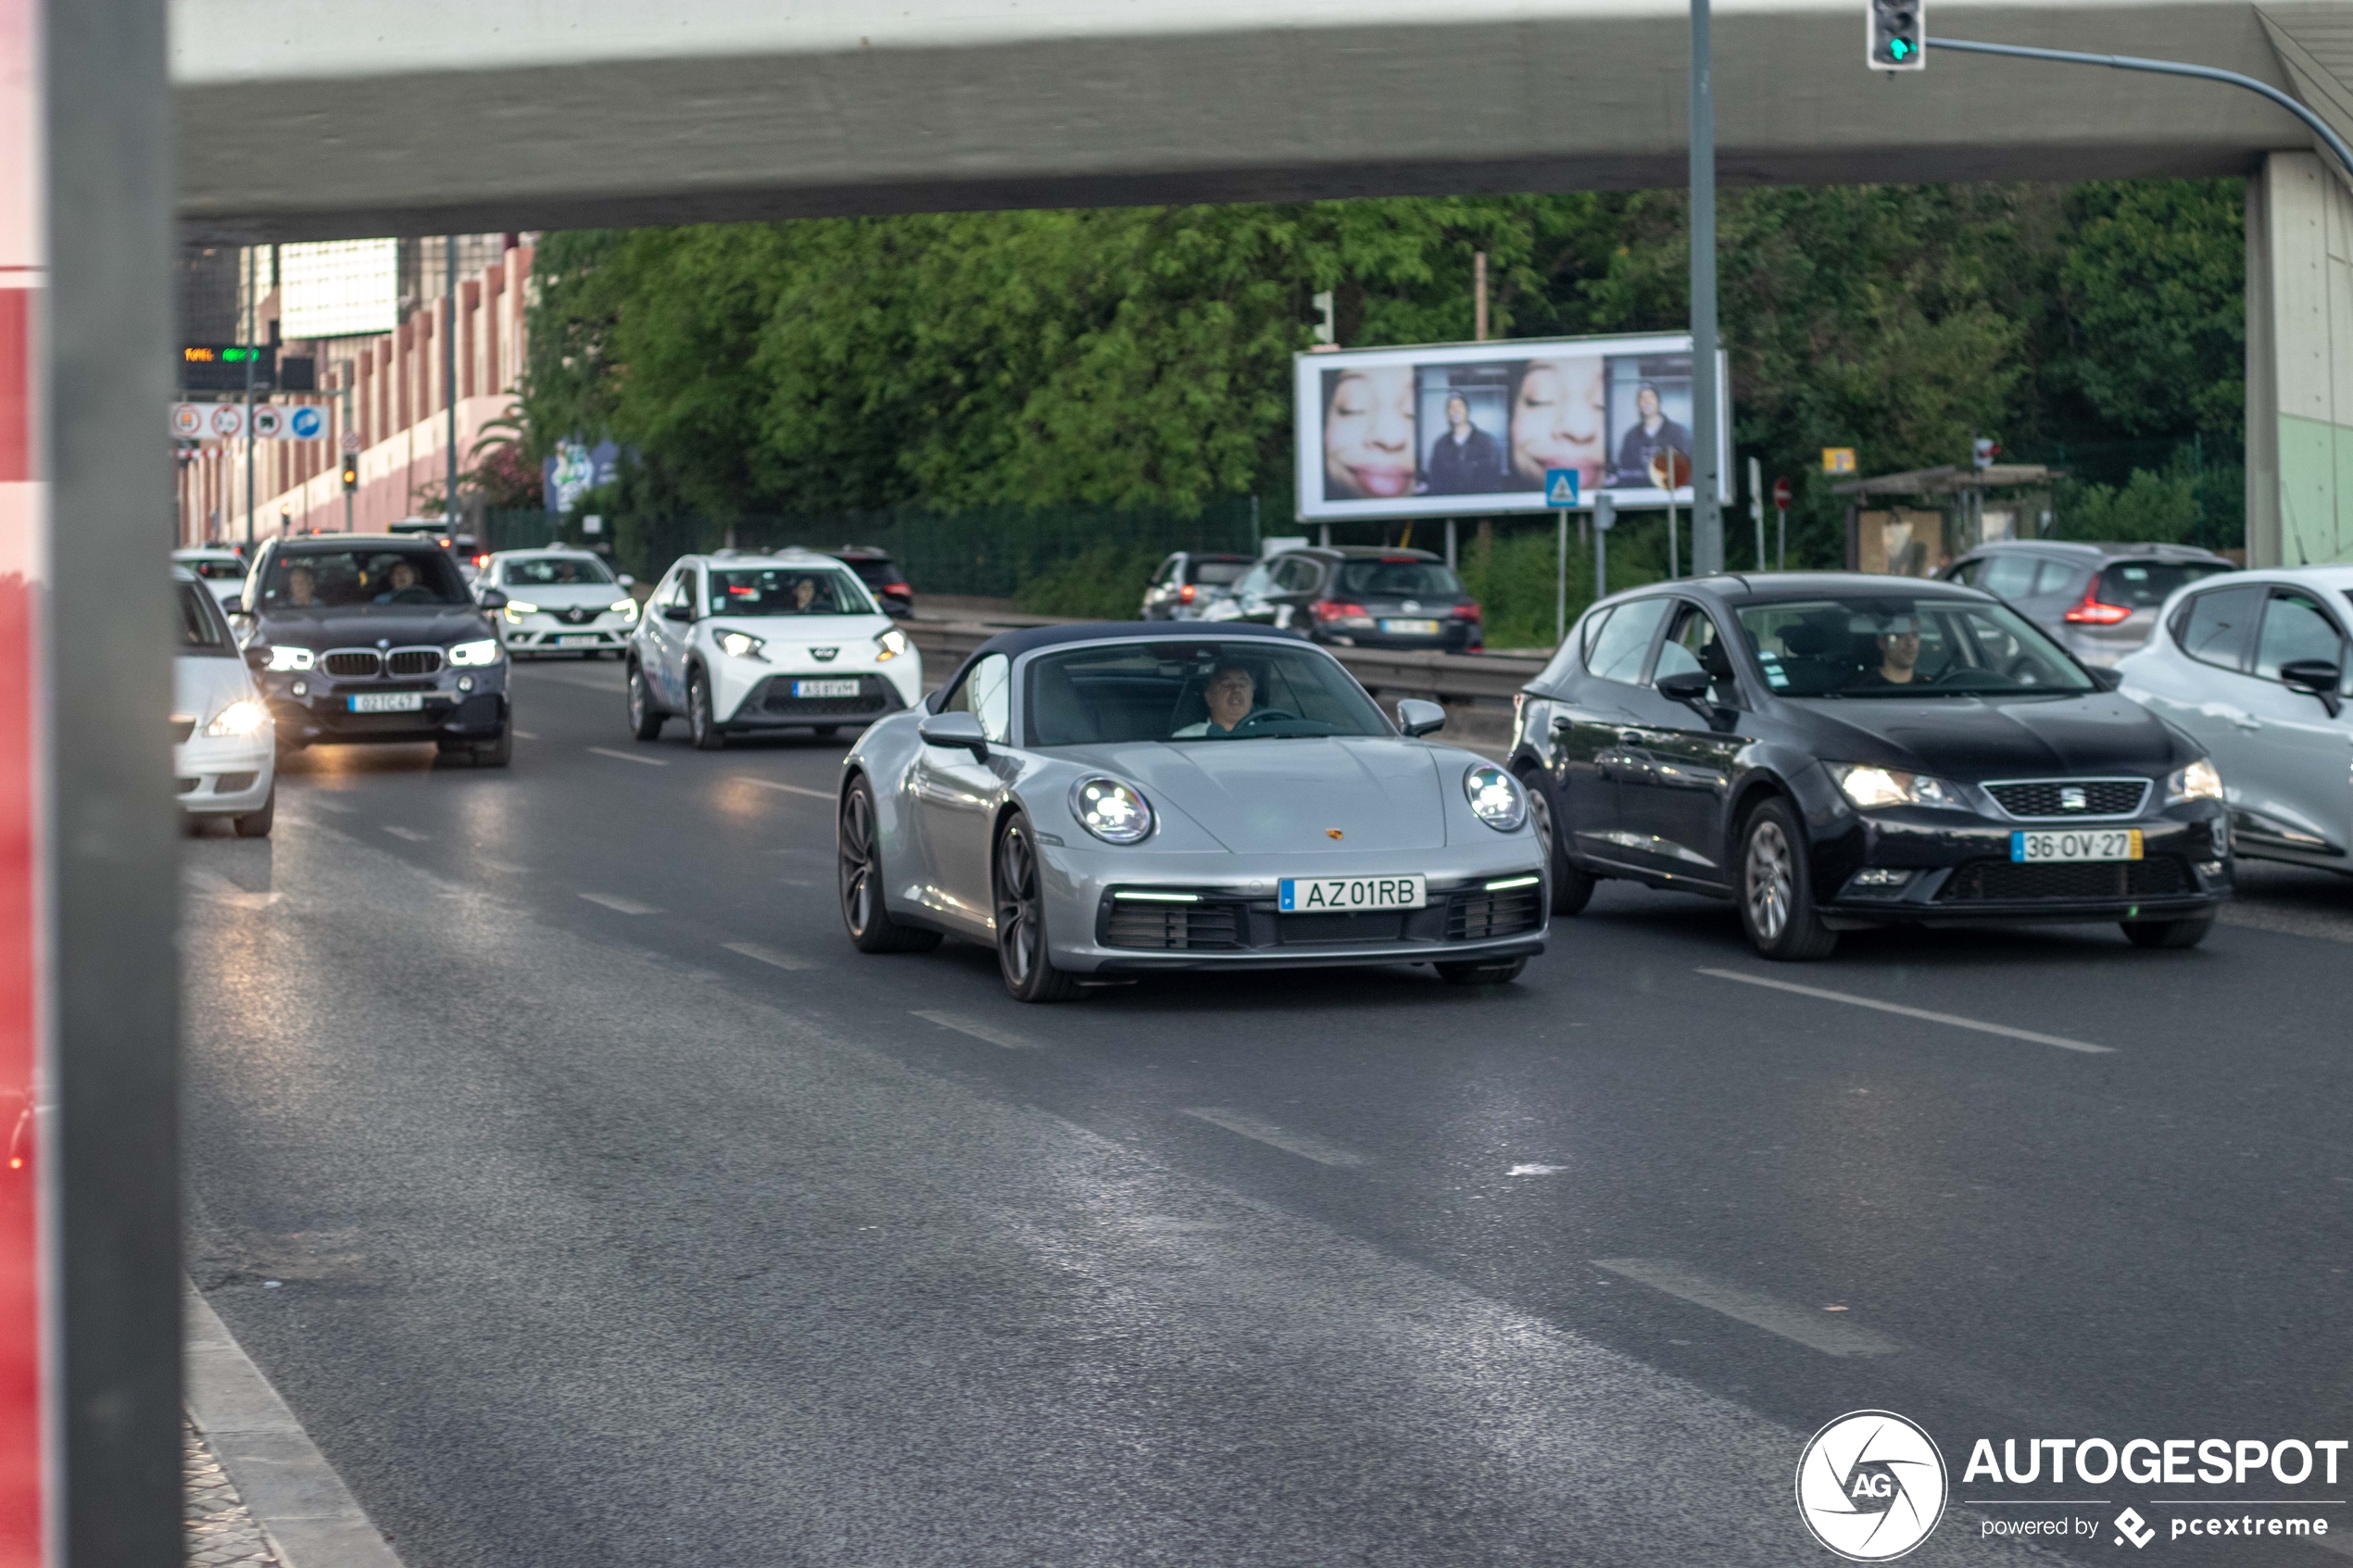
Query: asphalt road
point(621, 1213)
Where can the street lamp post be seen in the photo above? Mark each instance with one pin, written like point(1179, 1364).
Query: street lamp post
point(1708, 516)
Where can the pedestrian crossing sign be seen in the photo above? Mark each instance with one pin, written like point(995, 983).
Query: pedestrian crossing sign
point(1560, 487)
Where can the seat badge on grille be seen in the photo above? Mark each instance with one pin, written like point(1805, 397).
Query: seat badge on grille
point(823, 655)
point(2072, 798)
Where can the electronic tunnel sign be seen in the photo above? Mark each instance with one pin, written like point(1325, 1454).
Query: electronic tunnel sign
point(222, 367)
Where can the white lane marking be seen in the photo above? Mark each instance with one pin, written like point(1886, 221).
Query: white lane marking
point(964, 1024)
point(769, 955)
point(1305, 1145)
point(1831, 1337)
point(1953, 1019)
point(325, 804)
point(615, 902)
point(525, 735)
point(789, 789)
point(1536, 1169)
point(628, 757)
point(411, 835)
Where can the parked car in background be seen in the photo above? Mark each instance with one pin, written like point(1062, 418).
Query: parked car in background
point(224, 759)
point(464, 548)
point(881, 574)
point(2100, 601)
point(1187, 583)
point(1357, 597)
point(558, 599)
point(222, 572)
point(2253, 667)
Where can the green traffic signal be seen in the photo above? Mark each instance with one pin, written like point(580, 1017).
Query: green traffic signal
point(1899, 48)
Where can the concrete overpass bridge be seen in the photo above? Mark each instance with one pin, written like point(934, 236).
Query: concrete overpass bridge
point(321, 119)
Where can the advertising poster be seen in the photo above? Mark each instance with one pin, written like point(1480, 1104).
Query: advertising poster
point(1467, 429)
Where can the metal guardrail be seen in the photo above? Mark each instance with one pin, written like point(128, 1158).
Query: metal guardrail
point(1448, 677)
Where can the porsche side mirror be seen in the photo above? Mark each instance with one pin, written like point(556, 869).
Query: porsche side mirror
point(2107, 680)
point(2314, 677)
point(1416, 717)
point(960, 731)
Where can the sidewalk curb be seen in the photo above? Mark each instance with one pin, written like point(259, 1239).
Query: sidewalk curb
point(294, 1494)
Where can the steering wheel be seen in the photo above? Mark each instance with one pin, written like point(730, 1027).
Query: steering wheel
point(1263, 714)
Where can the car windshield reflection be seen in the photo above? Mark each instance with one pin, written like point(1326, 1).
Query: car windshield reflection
point(1900, 646)
point(1256, 689)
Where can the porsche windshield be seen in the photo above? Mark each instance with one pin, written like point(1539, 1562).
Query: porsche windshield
point(1898, 646)
point(1258, 689)
point(786, 590)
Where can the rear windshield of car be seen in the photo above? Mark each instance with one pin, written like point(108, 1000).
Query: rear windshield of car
point(219, 571)
point(203, 629)
point(875, 573)
point(2144, 584)
point(555, 571)
point(786, 590)
point(1398, 580)
point(1130, 692)
point(1218, 573)
point(1899, 645)
point(345, 579)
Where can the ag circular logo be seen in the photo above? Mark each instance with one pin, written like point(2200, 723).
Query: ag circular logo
point(1870, 1486)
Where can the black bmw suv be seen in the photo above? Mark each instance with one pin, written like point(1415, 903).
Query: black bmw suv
point(360, 638)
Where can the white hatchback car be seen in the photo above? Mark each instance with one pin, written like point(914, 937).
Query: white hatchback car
point(738, 643)
point(223, 571)
point(223, 743)
point(557, 600)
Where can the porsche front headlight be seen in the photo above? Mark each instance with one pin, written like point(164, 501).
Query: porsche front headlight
point(1113, 811)
point(1495, 796)
point(740, 645)
point(284, 658)
point(2200, 781)
point(243, 717)
point(1871, 788)
point(483, 652)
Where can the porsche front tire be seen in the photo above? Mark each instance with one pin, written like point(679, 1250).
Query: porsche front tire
point(1024, 957)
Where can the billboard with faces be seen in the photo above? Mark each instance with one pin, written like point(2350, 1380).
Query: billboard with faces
point(1469, 428)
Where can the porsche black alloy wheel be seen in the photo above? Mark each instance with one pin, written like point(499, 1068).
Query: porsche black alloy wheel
point(871, 928)
point(1021, 955)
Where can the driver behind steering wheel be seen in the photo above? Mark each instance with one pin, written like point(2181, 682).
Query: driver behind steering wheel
point(1232, 696)
point(1899, 650)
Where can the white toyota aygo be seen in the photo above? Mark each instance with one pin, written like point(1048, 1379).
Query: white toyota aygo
point(738, 643)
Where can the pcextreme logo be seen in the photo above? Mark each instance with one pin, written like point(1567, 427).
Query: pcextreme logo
point(1870, 1486)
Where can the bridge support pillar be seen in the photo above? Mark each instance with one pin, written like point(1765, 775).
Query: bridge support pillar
point(2299, 362)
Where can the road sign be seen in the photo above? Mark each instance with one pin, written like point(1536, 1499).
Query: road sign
point(225, 421)
point(1782, 494)
point(187, 421)
point(1983, 450)
point(269, 423)
point(1838, 459)
point(351, 441)
point(1560, 487)
point(306, 422)
point(220, 366)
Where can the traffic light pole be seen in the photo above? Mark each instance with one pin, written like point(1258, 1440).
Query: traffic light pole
point(1708, 516)
point(2318, 126)
point(249, 402)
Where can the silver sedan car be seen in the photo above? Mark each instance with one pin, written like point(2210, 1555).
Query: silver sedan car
point(1109, 800)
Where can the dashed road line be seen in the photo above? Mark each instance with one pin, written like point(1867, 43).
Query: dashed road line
point(789, 789)
point(1305, 1145)
point(1952, 1020)
point(628, 757)
point(1831, 1337)
point(525, 735)
point(620, 905)
point(769, 955)
point(964, 1024)
point(411, 835)
point(336, 806)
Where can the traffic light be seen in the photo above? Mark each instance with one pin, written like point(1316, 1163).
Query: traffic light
point(1898, 34)
point(351, 470)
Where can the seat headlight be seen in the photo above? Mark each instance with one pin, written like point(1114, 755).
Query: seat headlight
point(741, 645)
point(2200, 781)
point(284, 658)
point(483, 652)
point(1871, 788)
point(890, 643)
point(243, 717)
point(1113, 811)
point(625, 608)
point(517, 609)
point(1495, 796)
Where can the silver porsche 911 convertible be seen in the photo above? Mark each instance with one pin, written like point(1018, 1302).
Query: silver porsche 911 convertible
point(1102, 801)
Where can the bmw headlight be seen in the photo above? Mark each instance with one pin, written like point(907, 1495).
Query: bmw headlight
point(890, 643)
point(517, 609)
point(625, 608)
point(240, 718)
point(741, 645)
point(2200, 781)
point(483, 652)
point(1495, 796)
point(1870, 788)
point(284, 658)
point(1113, 811)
